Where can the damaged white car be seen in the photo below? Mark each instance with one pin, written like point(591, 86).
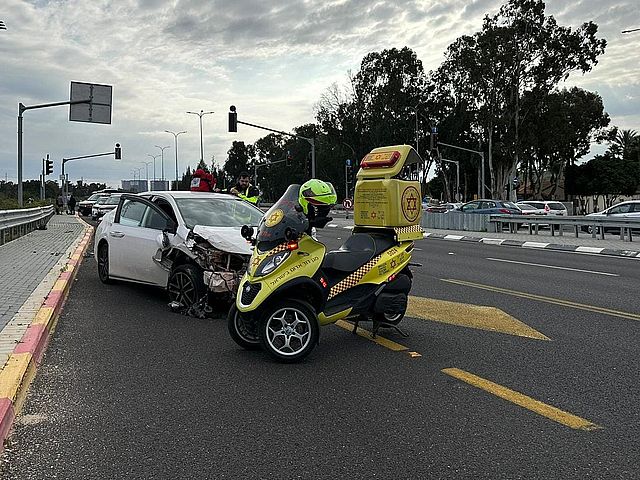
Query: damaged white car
point(186, 242)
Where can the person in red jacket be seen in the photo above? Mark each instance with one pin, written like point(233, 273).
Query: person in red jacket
point(202, 181)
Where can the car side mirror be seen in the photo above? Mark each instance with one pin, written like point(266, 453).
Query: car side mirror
point(172, 226)
point(247, 232)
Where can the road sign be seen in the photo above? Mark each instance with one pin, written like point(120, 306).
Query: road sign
point(98, 110)
point(347, 203)
point(348, 162)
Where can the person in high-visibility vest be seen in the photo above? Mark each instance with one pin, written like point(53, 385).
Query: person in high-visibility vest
point(245, 190)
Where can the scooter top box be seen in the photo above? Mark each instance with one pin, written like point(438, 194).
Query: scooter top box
point(387, 192)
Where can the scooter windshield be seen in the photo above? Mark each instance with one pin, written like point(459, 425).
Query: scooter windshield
point(282, 220)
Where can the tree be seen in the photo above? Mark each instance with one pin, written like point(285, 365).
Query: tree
point(238, 161)
point(518, 50)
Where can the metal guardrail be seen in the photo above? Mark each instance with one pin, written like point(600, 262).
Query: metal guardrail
point(595, 225)
point(455, 220)
point(16, 223)
point(476, 222)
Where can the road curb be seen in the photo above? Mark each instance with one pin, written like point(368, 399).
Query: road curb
point(20, 368)
point(539, 245)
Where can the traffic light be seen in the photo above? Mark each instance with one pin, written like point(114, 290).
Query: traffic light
point(434, 138)
point(233, 119)
point(118, 152)
point(49, 167)
point(289, 161)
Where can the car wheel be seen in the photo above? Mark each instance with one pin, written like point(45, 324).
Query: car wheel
point(243, 330)
point(186, 285)
point(103, 263)
point(289, 330)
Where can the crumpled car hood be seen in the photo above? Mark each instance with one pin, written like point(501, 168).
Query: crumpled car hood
point(227, 239)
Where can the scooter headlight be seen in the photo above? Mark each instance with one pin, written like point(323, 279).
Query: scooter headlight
point(271, 263)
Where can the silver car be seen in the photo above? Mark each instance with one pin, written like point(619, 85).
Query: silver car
point(186, 242)
point(630, 209)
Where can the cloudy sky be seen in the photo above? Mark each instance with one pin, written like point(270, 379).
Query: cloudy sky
point(272, 59)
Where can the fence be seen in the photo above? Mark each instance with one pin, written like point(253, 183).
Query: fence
point(475, 222)
point(16, 223)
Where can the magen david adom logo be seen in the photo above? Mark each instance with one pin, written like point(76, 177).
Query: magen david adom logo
point(410, 203)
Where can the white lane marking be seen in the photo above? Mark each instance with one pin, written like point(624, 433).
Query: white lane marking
point(493, 241)
point(350, 227)
point(534, 244)
point(590, 249)
point(553, 266)
point(332, 225)
point(453, 237)
point(426, 234)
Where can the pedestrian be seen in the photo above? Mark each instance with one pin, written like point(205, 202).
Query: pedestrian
point(245, 190)
point(59, 204)
point(72, 205)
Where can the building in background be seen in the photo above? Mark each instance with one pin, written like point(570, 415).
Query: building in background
point(135, 186)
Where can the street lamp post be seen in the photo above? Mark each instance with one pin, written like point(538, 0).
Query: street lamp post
point(457, 197)
point(154, 165)
point(162, 160)
point(201, 114)
point(175, 138)
point(146, 171)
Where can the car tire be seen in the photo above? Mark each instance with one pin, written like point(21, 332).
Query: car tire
point(299, 331)
point(103, 263)
point(186, 285)
point(244, 332)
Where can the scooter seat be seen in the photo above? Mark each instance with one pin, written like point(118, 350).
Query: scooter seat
point(356, 251)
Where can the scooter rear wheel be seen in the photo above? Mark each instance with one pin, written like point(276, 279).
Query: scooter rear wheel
point(289, 330)
point(242, 330)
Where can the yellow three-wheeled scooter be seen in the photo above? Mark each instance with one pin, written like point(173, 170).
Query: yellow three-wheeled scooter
point(293, 285)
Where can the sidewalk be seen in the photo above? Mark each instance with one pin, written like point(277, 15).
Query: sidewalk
point(36, 272)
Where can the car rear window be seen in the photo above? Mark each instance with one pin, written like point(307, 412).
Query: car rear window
point(556, 206)
point(510, 205)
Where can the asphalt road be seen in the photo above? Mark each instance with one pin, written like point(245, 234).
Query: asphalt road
point(128, 389)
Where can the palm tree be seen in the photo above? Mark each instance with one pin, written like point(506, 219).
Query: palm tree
point(623, 142)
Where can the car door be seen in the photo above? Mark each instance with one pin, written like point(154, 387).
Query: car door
point(134, 239)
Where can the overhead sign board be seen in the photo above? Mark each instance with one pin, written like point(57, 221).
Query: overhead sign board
point(96, 106)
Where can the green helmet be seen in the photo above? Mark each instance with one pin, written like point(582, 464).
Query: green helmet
point(316, 192)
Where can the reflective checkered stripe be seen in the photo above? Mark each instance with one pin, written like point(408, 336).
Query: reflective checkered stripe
point(353, 279)
point(257, 257)
point(409, 229)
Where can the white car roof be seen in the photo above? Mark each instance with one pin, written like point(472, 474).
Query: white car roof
point(188, 194)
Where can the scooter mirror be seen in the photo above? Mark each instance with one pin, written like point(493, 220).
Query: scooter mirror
point(290, 234)
point(247, 232)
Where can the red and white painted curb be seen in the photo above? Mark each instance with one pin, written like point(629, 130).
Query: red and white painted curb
point(20, 369)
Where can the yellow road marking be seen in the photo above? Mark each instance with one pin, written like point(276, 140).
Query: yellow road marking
point(473, 316)
point(554, 301)
point(552, 413)
point(390, 344)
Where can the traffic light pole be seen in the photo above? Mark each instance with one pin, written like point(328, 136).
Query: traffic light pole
point(483, 185)
point(21, 109)
point(311, 141)
point(65, 186)
point(268, 164)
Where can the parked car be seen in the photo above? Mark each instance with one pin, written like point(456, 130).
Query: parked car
point(104, 205)
point(528, 209)
point(186, 242)
point(491, 207)
point(630, 209)
point(85, 206)
point(549, 206)
point(451, 206)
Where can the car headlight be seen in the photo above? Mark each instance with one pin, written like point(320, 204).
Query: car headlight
point(271, 263)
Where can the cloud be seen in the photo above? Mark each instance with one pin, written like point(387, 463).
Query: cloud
point(272, 59)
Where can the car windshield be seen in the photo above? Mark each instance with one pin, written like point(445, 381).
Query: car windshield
point(113, 200)
point(217, 212)
point(94, 197)
point(102, 200)
point(283, 218)
point(510, 205)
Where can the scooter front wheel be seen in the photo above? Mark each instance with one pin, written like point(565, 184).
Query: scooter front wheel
point(289, 330)
point(242, 330)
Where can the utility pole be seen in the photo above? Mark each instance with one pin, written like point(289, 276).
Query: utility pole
point(175, 138)
point(457, 196)
point(482, 184)
point(201, 114)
